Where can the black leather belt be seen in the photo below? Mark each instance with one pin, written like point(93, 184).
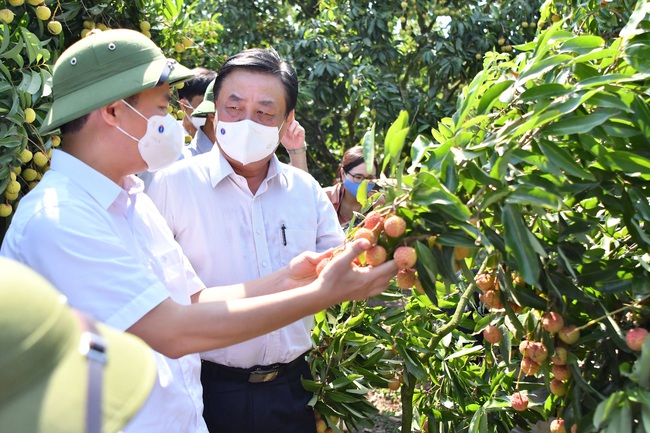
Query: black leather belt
point(256, 374)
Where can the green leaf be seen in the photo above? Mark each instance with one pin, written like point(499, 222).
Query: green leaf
point(580, 124)
point(488, 98)
point(428, 191)
point(563, 160)
point(582, 44)
point(518, 241)
point(630, 163)
point(546, 91)
point(607, 407)
point(479, 423)
point(535, 69)
point(532, 195)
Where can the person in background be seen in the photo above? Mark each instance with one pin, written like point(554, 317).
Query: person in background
point(266, 213)
point(190, 96)
point(89, 229)
point(343, 194)
point(293, 139)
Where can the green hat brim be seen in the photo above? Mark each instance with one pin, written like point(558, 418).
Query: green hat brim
point(207, 106)
point(43, 382)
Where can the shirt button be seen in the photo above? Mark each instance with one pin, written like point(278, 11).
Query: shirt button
point(258, 232)
point(264, 264)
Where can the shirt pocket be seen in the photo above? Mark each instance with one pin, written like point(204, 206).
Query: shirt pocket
point(296, 241)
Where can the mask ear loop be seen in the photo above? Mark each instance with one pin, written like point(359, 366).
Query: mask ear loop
point(139, 114)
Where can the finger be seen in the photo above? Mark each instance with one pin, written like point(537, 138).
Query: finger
point(353, 249)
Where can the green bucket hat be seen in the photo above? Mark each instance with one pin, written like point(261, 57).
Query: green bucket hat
point(103, 68)
point(44, 373)
point(207, 106)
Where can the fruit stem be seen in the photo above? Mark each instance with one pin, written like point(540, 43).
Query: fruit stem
point(611, 313)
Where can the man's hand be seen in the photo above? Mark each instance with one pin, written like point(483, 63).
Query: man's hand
point(294, 136)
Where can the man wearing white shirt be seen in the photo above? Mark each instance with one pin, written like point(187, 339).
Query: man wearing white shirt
point(88, 228)
point(249, 215)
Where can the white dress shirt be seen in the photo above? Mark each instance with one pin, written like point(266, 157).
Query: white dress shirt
point(108, 250)
point(231, 235)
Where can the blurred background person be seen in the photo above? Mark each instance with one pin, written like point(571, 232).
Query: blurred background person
point(191, 94)
point(343, 194)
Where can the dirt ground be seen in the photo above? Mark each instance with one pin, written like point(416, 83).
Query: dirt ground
point(389, 418)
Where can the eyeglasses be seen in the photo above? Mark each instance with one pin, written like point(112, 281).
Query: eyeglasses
point(358, 178)
point(166, 72)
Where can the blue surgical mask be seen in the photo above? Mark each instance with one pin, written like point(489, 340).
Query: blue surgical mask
point(353, 187)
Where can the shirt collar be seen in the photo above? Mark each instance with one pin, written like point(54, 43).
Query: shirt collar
point(223, 169)
point(203, 143)
point(98, 186)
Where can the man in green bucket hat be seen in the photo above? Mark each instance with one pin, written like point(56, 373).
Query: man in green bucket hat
point(89, 229)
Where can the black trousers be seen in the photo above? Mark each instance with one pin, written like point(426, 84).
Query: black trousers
point(232, 404)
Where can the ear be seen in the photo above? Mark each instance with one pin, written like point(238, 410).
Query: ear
point(112, 112)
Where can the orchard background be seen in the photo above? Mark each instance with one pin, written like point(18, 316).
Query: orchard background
point(513, 140)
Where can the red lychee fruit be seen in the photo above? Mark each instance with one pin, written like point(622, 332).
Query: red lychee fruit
point(492, 334)
point(405, 278)
point(569, 334)
point(561, 372)
point(538, 352)
point(552, 322)
point(364, 233)
point(394, 226)
point(376, 255)
point(405, 257)
point(484, 282)
point(374, 221)
point(524, 347)
point(492, 300)
point(557, 426)
point(519, 401)
point(560, 356)
point(635, 338)
point(557, 387)
point(529, 367)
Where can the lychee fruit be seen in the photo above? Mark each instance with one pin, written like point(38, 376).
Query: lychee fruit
point(519, 401)
point(405, 278)
point(560, 356)
point(524, 347)
point(557, 387)
point(552, 322)
point(394, 226)
point(557, 426)
point(569, 334)
point(492, 334)
point(43, 13)
point(529, 367)
point(484, 281)
point(376, 255)
point(25, 156)
point(405, 257)
point(30, 115)
point(461, 253)
point(635, 338)
point(538, 352)
point(374, 221)
point(54, 27)
point(16, 3)
point(40, 159)
point(492, 300)
point(6, 15)
point(5, 210)
point(561, 372)
point(364, 233)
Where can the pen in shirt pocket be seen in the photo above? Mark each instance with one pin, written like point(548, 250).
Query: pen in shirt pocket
point(284, 234)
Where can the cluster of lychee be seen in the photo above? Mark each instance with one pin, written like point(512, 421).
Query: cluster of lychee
point(386, 234)
point(25, 177)
point(41, 11)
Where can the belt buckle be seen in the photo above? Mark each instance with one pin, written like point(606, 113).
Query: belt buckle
point(262, 376)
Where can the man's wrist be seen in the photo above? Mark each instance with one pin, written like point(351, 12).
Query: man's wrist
point(297, 151)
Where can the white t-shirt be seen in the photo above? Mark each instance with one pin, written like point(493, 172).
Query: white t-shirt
point(231, 235)
point(108, 250)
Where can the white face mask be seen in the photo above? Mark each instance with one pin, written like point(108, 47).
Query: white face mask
point(198, 122)
point(162, 144)
point(246, 141)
